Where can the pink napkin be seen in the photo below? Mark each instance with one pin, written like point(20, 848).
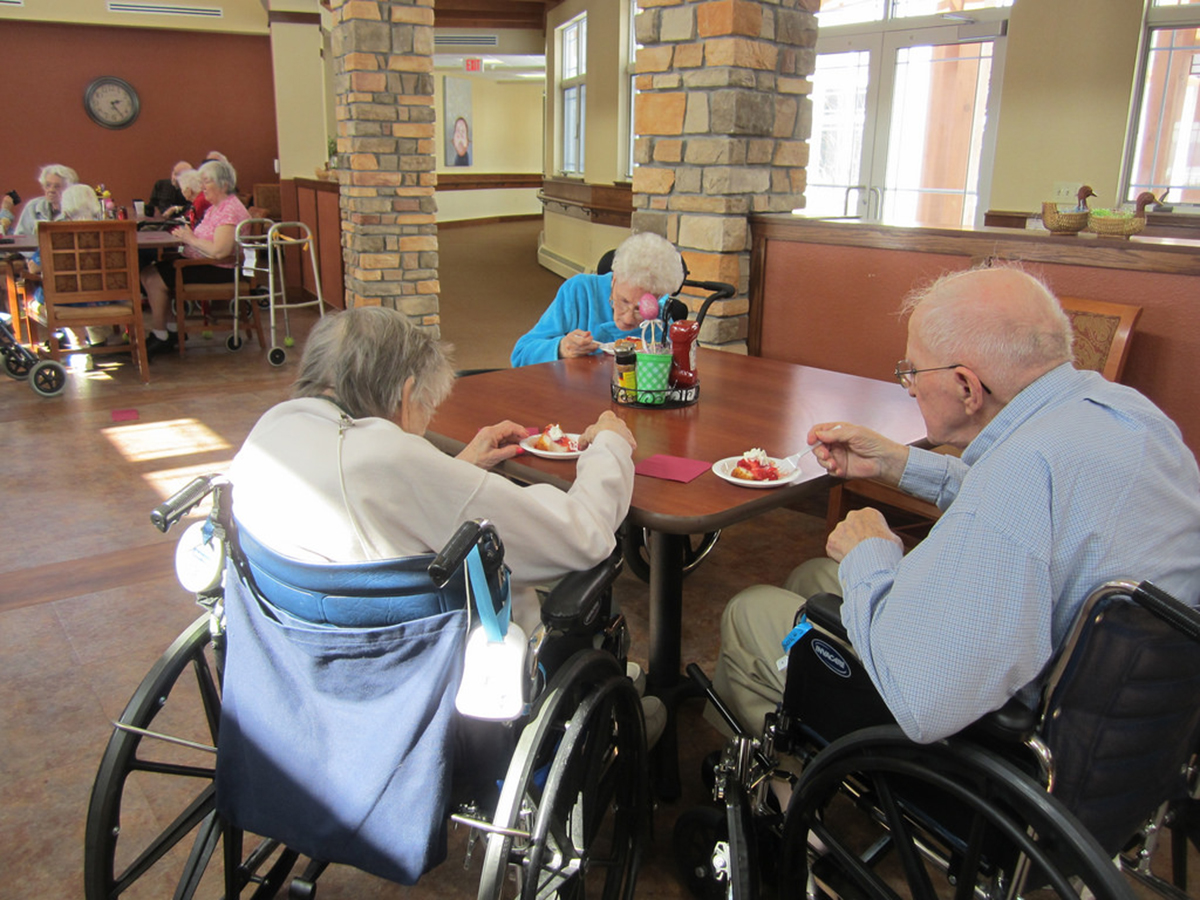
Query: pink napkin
point(124, 415)
point(672, 468)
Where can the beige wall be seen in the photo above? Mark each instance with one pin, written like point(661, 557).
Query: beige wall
point(301, 100)
point(240, 16)
point(506, 121)
point(1065, 99)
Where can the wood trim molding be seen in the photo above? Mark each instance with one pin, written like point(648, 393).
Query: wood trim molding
point(278, 17)
point(468, 181)
point(603, 204)
point(1139, 253)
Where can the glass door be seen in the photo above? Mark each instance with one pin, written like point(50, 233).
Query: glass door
point(900, 125)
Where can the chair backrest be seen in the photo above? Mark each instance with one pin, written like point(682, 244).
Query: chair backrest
point(1122, 710)
point(1102, 333)
point(89, 262)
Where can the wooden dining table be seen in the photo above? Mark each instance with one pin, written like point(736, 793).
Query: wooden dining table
point(744, 402)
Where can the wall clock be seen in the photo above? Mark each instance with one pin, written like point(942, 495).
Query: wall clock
point(111, 102)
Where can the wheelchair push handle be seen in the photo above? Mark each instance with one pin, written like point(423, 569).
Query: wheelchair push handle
point(451, 557)
point(179, 504)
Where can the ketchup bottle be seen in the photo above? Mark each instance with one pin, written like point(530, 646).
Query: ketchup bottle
point(683, 353)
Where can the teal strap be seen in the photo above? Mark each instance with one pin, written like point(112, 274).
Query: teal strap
point(495, 625)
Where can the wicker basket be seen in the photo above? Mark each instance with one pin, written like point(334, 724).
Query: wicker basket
point(1119, 226)
point(1062, 222)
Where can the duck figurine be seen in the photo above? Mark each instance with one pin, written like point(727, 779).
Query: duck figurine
point(1121, 223)
point(1068, 222)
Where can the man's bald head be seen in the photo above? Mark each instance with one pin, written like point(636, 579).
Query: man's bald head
point(1001, 322)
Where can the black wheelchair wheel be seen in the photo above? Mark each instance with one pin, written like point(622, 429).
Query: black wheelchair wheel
point(877, 816)
point(16, 366)
point(152, 828)
point(48, 378)
point(575, 806)
point(637, 554)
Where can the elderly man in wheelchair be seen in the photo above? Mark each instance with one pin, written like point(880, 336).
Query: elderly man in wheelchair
point(348, 689)
point(1001, 720)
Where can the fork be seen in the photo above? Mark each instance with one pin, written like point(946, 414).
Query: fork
point(794, 459)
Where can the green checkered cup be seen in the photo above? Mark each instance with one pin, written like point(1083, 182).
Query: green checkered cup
point(652, 372)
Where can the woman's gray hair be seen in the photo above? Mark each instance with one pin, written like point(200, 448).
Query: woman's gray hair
point(1033, 334)
point(79, 202)
point(363, 356)
point(66, 173)
point(222, 173)
point(189, 179)
point(649, 262)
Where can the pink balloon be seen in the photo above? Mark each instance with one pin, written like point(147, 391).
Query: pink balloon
point(648, 306)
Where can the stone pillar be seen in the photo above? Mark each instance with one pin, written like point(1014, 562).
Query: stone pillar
point(722, 122)
point(383, 52)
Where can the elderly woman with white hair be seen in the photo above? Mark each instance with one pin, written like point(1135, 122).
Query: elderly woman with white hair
point(212, 239)
point(54, 179)
point(593, 309)
point(343, 473)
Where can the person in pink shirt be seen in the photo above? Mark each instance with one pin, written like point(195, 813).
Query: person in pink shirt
point(212, 239)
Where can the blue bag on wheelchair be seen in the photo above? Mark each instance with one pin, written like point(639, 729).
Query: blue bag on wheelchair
point(338, 741)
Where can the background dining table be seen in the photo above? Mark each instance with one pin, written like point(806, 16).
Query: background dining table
point(744, 402)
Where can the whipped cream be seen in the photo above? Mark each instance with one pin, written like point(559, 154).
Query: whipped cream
point(554, 433)
point(756, 454)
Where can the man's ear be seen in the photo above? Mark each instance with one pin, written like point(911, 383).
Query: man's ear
point(970, 388)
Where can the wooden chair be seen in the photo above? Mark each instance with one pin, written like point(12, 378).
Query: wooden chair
point(90, 278)
point(14, 274)
point(1102, 333)
point(214, 303)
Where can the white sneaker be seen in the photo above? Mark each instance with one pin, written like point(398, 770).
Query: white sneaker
point(637, 676)
point(655, 714)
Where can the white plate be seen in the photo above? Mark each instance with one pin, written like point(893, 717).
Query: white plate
point(529, 442)
point(723, 468)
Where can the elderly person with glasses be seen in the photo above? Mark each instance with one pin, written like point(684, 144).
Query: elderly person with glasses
point(1066, 481)
point(54, 179)
point(593, 309)
point(212, 239)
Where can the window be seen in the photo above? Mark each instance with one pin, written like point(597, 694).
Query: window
point(857, 12)
point(572, 87)
point(900, 118)
point(1163, 155)
point(631, 84)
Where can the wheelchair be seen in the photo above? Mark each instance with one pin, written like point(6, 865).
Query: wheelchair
point(1069, 800)
point(562, 798)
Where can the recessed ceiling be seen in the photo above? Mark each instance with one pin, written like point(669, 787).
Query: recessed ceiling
point(492, 13)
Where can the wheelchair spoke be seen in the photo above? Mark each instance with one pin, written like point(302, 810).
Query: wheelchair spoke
point(197, 862)
point(914, 867)
point(200, 809)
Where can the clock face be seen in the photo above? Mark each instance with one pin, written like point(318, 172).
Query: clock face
point(111, 102)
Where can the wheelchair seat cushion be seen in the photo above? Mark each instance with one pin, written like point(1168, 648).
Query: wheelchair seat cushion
point(338, 741)
point(354, 595)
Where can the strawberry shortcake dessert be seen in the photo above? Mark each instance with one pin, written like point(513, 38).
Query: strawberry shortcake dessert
point(553, 440)
point(755, 465)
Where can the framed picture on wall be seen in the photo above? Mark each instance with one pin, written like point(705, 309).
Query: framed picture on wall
point(456, 94)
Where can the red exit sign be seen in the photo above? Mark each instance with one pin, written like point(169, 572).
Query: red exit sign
point(474, 65)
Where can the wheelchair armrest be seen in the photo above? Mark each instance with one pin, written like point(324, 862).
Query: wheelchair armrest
point(825, 611)
point(574, 604)
point(1010, 724)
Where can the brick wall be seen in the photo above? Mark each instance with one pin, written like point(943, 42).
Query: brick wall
point(383, 52)
point(722, 119)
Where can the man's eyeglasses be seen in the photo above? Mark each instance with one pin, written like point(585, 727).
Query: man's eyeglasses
point(905, 371)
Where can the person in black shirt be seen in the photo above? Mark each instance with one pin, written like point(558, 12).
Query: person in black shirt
point(166, 191)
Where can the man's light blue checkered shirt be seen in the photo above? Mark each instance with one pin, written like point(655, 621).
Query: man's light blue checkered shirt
point(1077, 481)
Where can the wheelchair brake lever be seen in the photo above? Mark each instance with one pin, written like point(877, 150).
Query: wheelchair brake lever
point(705, 683)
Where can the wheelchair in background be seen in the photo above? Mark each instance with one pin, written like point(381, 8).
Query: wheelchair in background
point(191, 800)
point(1069, 800)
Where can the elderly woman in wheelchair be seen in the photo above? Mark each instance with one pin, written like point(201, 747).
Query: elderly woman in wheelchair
point(354, 687)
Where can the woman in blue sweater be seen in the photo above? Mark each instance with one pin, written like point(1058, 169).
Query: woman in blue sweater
point(593, 309)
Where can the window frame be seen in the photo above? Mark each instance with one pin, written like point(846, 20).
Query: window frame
point(571, 146)
point(1155, 18)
